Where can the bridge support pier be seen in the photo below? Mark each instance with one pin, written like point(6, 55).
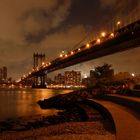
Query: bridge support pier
point(39, 81)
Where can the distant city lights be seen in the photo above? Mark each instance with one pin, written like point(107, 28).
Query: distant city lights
point(133, 75)
point(85, 76)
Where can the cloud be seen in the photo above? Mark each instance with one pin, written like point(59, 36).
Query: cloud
point(107, 3)
point(37, 22)
point(62, 40)
point(19, 18)
point(22, 25)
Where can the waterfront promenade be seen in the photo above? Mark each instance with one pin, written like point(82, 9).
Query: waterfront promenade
point(126, 120)
point(127, 125)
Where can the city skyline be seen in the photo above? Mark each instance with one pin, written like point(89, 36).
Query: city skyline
point(44, 26)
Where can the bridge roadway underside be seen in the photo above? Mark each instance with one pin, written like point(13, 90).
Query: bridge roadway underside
point(101, 50)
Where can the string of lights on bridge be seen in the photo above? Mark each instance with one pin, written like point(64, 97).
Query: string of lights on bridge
point(63, 55)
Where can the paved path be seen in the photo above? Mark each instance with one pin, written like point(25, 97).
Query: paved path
point(126, 97)
point(127, 125)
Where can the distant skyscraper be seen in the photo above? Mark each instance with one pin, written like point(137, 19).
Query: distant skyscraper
point(4, 73)
point(1, 75)
point(59, 79)
point(72, 77)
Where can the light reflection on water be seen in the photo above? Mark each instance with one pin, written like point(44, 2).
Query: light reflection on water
point(23, 102)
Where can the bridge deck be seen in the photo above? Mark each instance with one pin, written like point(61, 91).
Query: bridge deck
point(127, 125)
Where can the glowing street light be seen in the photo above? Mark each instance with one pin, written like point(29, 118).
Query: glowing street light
point(85, 76)
point(118, 23)
point(63, 52)
point(43, 63)
point(98, 40)
point(61, 55)
point(103, 34)
point(87, 45)
point(133, 75)
point(112, 35)
point(66, 55)
point(72, 52)
point(79, 49)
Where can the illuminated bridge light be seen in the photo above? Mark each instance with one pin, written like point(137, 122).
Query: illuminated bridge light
point(72, 52)
point(61, 55)
point(43, 63)
point(66, 55)
point(49, 63)
point(87, 45)
point(118, 23)
point(103, 34)
point(98, 40)
point(133, 75)
point(29, 73)
point(63, 52)
point(112, 34)
point(79, 49)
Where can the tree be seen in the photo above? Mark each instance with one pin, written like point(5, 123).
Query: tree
point(104, 71)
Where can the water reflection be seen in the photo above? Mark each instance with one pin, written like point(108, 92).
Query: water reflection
point(19, 103)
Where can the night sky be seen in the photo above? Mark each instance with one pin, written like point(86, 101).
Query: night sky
point(50, 26)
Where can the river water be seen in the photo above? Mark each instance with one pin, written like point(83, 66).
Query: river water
point(15, 103)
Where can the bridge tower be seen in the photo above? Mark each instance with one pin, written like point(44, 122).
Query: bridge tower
point(38, 60)
point(40, 79)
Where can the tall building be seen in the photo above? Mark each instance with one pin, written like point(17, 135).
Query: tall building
point(4, 73)
point(1, 75)
point(123, 76)
point(92, 74)
point(72, 78)
point(59, 79)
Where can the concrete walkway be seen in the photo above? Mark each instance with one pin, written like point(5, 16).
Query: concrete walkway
point(127, 125)
point(137, 99)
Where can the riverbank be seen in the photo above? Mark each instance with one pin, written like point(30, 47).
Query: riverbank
point(70, 122)
point(65, 131)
